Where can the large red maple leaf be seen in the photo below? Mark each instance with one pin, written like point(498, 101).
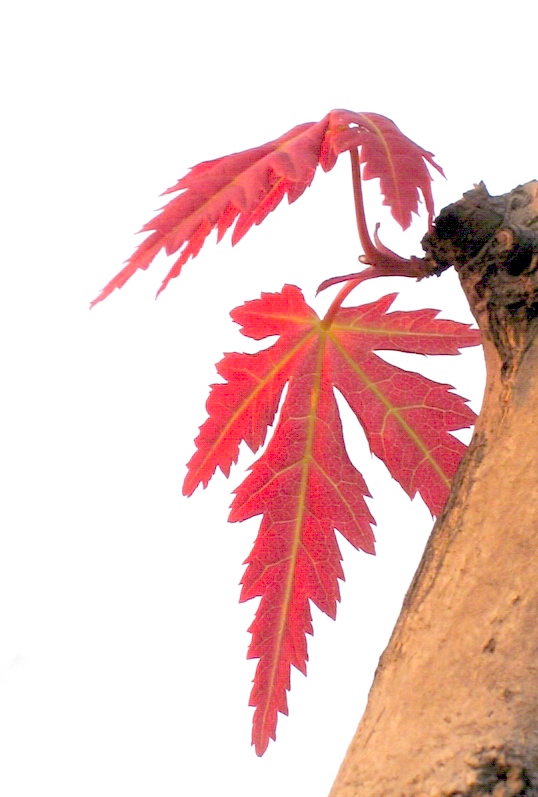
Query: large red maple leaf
point(243, 188)
point(304, 485)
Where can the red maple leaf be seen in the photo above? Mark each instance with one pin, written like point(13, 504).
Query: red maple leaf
point(304, 485)
point(245, 187)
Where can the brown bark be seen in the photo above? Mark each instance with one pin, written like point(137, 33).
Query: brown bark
point(453, 709)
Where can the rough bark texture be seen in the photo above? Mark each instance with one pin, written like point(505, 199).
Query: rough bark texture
point(454, 705)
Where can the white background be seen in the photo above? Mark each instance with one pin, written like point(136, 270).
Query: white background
point(122, 644)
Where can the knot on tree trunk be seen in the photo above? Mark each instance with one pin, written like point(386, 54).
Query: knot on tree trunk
point(495, 772)
point(492, 242)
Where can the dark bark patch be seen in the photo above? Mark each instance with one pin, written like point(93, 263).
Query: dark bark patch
point(498, 774)
point(493, 244)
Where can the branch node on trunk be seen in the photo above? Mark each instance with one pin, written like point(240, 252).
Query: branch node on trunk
point(493, 244)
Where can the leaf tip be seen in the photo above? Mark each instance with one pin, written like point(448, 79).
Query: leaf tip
point(261, 745)
point(101, 297)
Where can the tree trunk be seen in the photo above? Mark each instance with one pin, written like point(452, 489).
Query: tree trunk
point(453, 709)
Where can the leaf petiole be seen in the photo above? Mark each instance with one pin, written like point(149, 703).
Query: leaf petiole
point(383, 262)
point(351, 282)
point(370, 251)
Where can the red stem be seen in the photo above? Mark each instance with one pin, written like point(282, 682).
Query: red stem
point(364, 236)
point(342, 294)
point(382, 262)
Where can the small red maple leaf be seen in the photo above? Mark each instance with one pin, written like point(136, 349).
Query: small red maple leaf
point(245, 187)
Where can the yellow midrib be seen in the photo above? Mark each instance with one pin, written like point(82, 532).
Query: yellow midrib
point(301, 507)
point(386, 332)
